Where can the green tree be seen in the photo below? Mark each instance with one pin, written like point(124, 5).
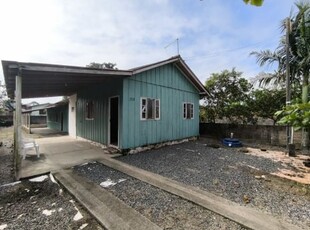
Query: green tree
point(104, 65)
point(228, 97)
point(300, 45)
point(3, 98)
point(254, 2)
point(265, 102)
point(299, 55)
point(296, 115)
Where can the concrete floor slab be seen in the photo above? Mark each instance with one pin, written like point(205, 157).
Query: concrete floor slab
point(111, 212)
point(59, 152)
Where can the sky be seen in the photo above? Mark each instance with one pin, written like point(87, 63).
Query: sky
point(213, 35)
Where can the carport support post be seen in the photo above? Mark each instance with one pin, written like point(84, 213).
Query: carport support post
point(18, 124)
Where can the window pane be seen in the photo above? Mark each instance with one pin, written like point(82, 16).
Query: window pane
point(150, 108)
point(143, 108)
point(191, 111)
point(188, 111)
point(89, 110)
point(157, 109)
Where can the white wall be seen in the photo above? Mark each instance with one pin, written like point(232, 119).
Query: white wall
point(72, 115)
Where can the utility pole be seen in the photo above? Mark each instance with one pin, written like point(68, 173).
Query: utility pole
point(18, 124)
point(289, 131)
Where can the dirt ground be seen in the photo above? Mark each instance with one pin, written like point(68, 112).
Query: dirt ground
point(299, 171)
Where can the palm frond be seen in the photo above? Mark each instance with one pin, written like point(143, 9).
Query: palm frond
point(264, 57)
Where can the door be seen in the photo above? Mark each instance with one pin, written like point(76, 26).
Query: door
point(113, 127)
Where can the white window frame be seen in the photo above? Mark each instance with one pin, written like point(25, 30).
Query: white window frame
point(144, 105)
point(185, 111)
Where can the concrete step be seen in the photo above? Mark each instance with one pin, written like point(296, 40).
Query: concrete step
point(111, 212)
point(245, 216)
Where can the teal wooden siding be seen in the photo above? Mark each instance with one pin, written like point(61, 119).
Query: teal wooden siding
point(169, 85)
point(54, 118)
point(97, 129)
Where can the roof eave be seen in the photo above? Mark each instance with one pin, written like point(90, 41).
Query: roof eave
point(154, 65)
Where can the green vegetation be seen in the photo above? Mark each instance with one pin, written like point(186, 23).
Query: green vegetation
point(232, 97)
point(228, 92)
point(296, 115)
point(254, 2)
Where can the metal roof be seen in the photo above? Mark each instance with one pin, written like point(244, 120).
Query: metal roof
point(46, 80)
point(181, 65)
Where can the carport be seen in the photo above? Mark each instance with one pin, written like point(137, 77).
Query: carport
point(60, 152)
point(30, 80)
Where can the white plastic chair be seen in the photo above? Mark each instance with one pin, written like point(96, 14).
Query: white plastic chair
point(28, 145)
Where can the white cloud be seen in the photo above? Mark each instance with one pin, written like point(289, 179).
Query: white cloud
point(132, 33)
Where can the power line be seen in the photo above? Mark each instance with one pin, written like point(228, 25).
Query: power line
point(213, 54)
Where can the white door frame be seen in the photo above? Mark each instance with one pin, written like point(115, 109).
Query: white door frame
point(109, 121)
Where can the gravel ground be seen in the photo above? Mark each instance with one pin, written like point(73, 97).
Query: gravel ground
point(41, 205)
point(166, 210)
point(6, 156)
point(6, 169)
point(231, 174)
point(35, 205)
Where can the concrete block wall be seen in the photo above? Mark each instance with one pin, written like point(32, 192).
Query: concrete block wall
point(259, 134)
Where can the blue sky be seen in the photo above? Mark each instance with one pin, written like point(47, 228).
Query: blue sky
point(213, 35)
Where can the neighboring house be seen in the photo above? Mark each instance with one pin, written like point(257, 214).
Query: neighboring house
point(126, 108)
point(36, 109)
point(57, 116)
point(34, 115)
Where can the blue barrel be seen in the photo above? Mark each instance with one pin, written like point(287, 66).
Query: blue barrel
point(232, 142)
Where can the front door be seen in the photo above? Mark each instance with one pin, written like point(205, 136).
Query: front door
point(113, 135)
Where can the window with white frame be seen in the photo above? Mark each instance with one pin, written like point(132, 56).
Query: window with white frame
point(149, 109)
point(188, 110)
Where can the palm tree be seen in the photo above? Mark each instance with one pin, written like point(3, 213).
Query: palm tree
point(299, 55)
point(300, 45)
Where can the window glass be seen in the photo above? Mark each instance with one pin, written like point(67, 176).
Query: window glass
point(188, 110)
point(149, 109)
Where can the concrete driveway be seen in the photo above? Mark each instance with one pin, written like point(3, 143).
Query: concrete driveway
point(60, 152)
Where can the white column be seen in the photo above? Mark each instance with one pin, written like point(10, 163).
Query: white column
point(72, 115)
point(18, 124)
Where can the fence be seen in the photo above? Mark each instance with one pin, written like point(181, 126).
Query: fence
point(259, 134)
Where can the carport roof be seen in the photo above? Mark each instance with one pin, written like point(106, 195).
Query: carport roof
point(46, 80)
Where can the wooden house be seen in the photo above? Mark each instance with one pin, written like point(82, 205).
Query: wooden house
point(150, 104)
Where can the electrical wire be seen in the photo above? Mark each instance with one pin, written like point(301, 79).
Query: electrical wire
point(218, 53)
